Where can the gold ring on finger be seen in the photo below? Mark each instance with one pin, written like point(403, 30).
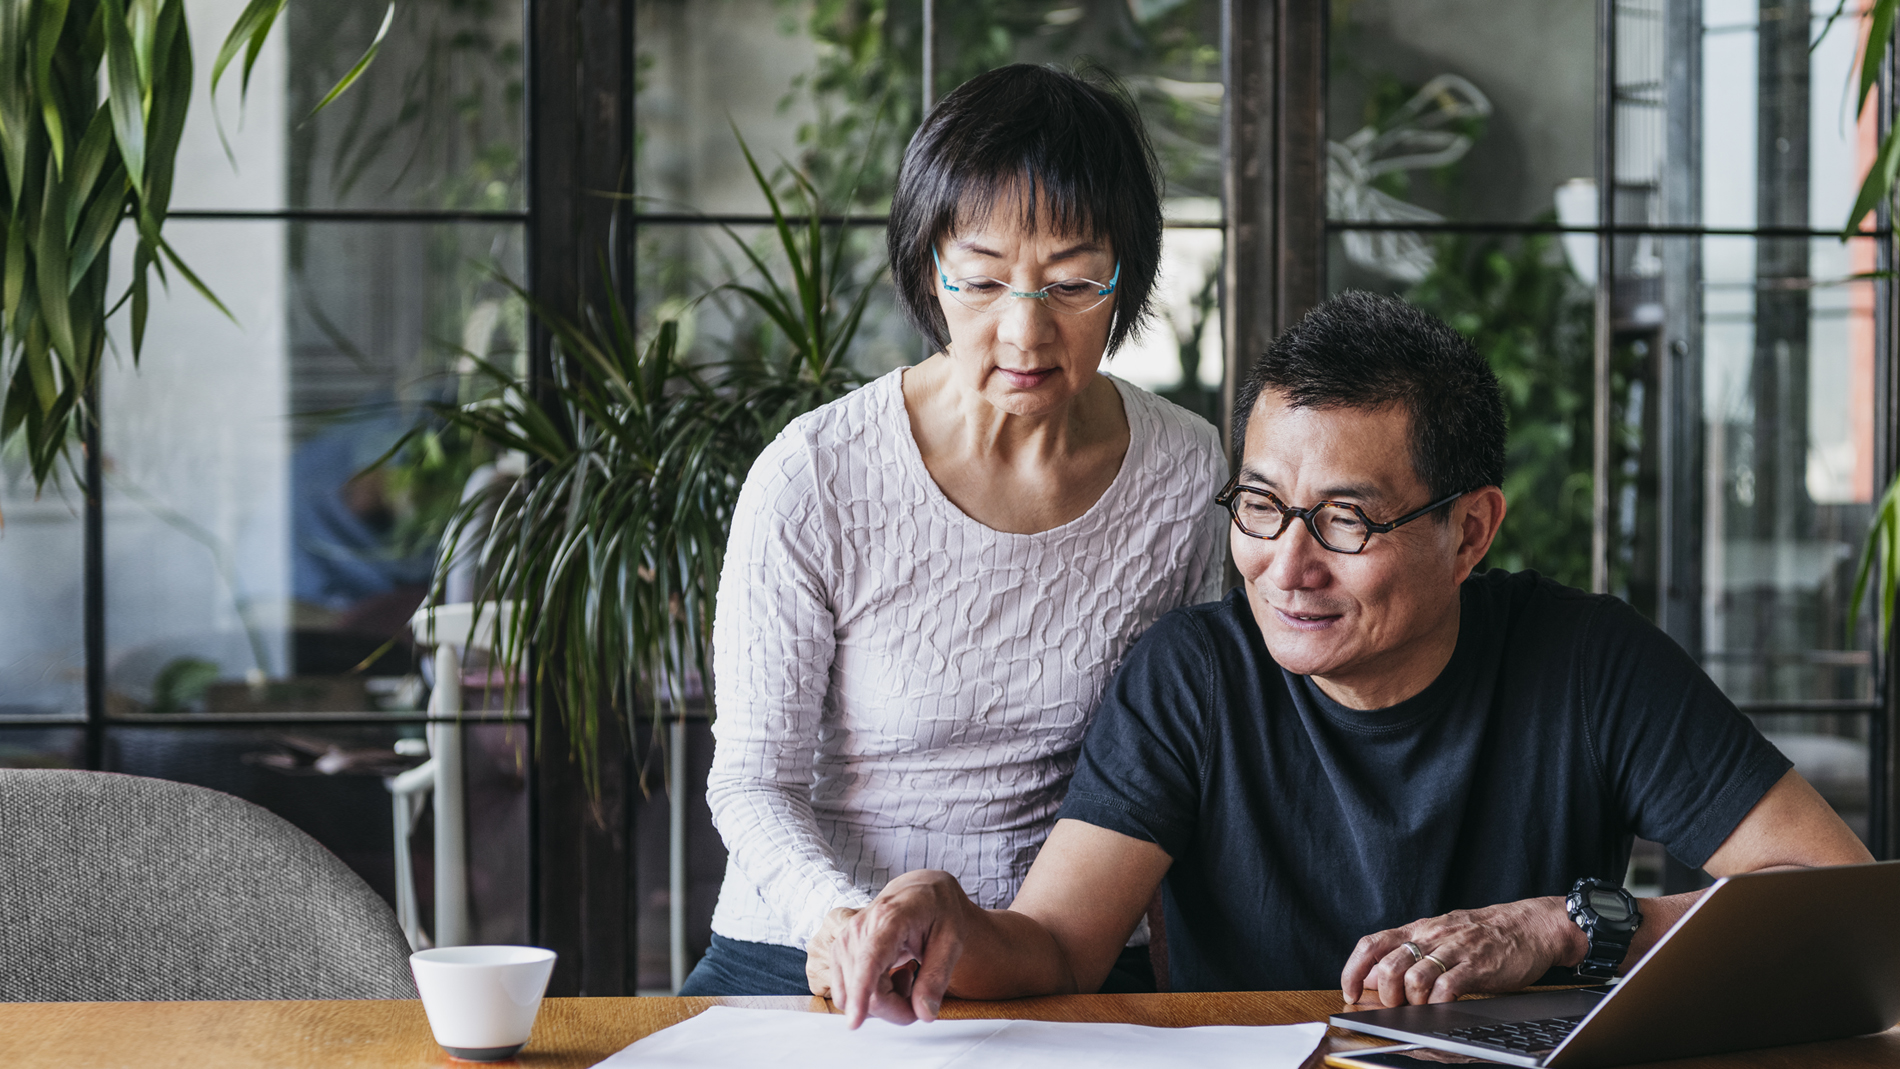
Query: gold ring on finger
point(1417, 954)
point(1436, 960)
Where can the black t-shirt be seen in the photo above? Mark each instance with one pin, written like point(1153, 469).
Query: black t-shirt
point(1563, 723)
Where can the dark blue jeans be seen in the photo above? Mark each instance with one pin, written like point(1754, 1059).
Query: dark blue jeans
point(741, 967)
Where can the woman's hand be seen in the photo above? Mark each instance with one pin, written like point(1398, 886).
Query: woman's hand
point(920, 917)
point(818, 950)
point(1497, 948)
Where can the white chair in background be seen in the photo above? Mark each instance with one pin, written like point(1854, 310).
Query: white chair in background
point(451, 631)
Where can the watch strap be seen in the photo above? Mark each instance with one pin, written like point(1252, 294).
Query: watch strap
point(1606, 953)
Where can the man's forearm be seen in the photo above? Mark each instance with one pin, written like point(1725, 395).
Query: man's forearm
point(1659, 915)
point(1009, 955)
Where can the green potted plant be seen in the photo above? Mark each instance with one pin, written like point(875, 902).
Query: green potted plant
point(610, 550)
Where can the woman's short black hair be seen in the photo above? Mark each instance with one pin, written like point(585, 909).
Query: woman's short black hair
point(1074, 142)
point(1361, 350)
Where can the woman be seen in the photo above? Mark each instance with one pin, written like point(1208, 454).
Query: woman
point(929, 581)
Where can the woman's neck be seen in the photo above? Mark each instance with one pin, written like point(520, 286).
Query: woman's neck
point(1015, 472)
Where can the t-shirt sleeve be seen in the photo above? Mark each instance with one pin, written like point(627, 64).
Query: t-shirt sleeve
point(1144, 757)
point(1681, 761)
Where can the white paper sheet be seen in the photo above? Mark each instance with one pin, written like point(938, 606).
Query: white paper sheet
point(725, 1036)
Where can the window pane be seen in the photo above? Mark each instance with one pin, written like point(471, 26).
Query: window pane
point(251, 177)
point(330, 783)
point(1180, 355)
point(1472, 110)
point(434, 122)
point(1741, 456)
point(42, 748)
point(834, 89)
point(42, 585)
point(1780, 141)
point(1738, 118)
point(251, 565)
point(1788, 395)
point(705, 853)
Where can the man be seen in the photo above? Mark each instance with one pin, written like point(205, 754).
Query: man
point(1364, 738)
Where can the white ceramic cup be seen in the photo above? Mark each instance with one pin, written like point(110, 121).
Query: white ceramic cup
point(481, 1001)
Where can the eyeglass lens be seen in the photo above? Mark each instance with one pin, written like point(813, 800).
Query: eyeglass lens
point(1071, 296)
point(1339, 527)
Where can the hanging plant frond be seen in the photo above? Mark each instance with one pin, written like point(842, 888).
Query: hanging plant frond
point(75, 166)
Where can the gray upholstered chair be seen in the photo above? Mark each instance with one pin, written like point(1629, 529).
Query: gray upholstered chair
point(119, 887)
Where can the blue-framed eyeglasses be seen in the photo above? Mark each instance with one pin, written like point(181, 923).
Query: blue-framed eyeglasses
point(1071, 296)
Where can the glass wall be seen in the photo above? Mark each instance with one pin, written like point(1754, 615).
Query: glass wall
point(1738, 372)
point(246, 538)
point(42, 585)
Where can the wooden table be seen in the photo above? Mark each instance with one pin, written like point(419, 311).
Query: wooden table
point(578, 1032)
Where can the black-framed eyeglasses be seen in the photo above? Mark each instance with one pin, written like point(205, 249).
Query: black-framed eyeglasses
point(1340, 526)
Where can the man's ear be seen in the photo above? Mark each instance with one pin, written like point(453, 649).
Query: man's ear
point(1477, 517)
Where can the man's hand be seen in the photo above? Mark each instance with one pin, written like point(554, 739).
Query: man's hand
point(1498, 948)
point(920, 916)
point(818, 950)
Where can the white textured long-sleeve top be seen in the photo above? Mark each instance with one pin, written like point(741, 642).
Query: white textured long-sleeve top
point(900, 687)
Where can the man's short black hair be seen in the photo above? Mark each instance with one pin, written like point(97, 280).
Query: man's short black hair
point(1361, 350)
point(1072, 142)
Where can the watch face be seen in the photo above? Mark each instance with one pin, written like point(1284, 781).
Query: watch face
point(1609, 906)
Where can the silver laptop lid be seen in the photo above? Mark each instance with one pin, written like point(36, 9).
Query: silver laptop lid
point(1761, 960)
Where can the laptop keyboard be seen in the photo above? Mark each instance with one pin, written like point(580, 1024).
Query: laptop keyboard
point(1518, 1037)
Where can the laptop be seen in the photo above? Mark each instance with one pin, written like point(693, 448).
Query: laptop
point(1761, 960)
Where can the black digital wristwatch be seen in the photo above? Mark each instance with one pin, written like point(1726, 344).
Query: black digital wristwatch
point(1609, 917)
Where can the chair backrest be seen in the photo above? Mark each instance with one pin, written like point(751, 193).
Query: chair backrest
point(124, 888)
